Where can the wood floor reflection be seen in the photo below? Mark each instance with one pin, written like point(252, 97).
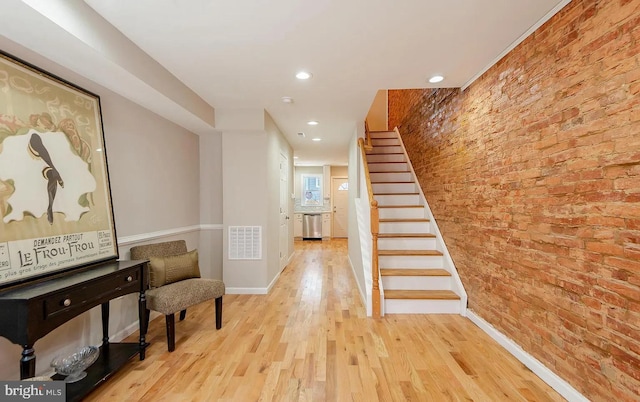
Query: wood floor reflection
point(310, 340)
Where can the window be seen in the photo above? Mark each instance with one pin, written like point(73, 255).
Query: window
point(311, 190)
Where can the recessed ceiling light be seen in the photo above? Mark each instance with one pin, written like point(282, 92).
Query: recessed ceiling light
point(303, 75)
point(316, 139)
point(312, 123)
point(287, 99)
point(436, 78)
point(295, 157)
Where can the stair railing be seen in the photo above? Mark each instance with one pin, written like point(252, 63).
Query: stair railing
point(367, 146)
point(375, 229)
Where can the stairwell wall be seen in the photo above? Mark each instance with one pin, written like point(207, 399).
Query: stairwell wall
point(532, 173)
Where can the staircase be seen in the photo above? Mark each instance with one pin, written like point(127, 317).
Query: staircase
point(415, 277)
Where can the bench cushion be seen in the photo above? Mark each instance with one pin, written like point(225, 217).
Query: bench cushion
point(169, 269)
point(177, 296)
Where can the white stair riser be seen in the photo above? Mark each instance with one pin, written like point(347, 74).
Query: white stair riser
point(417, 282)
point(408, 243)
point(386, 158)
point(401, 213)
point(393, 188)
point(397, 199)
point(410, 261)
point(391, 177)
point(381, 142)
point(405, 227)
point(400, 306)
point(388, 167)
point(393, 149)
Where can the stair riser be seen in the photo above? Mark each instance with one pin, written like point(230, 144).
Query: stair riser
point(383, 134)
point(407, 244)
point(388, 167)
point(410, 261)
point(404, 227)
point(417, 282)
point(393, 149)
point(393, 188)
point(397, 306)
point(398, 199)
point(386, 158)
point(402, 213)
point(391, 177)
point(383, 142)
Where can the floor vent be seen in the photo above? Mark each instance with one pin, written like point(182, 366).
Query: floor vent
point(245, 242)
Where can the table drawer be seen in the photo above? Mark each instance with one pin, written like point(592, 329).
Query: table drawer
point(120, 283)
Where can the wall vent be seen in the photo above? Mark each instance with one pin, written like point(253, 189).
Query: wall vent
point(245, 242)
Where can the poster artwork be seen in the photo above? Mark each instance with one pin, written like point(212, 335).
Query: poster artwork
point(55, 202)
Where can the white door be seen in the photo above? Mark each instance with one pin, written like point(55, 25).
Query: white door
point(340, 197)
point(284, 211)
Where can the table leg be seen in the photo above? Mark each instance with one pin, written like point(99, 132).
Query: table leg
point(105, 324)
point(143, 320)
point(27, 362)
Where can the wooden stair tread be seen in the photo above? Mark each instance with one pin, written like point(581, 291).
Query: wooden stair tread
point(386, 153)
point(406, 235)
point(391, 182)
point(413, 272)
point(421, 294)
point(394, 171)
point(377, 163)
point(395, 194)
point(404, 220)
point(409, 252)
point(400, 206)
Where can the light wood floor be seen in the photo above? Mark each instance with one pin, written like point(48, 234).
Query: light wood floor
point(309, 340)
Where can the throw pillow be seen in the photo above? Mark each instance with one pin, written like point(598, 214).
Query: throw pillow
point(165, 270)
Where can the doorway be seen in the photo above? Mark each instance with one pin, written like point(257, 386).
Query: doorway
point(340, 202)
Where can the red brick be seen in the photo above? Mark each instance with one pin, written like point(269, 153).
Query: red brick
point(533, 174)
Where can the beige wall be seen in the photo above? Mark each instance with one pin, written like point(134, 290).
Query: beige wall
point(339, 171)
point(377, 116)
point(154, 174)
point(210, 246)
point(277, 145)
point(244, 203)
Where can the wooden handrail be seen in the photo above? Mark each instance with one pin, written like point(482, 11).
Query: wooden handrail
point(375, 228)
point(367, 134)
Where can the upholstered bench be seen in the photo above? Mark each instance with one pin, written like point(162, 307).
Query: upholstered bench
point(175, 283)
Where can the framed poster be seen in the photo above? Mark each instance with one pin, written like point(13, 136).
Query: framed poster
point(55, 201)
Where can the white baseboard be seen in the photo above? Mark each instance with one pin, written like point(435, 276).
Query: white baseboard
point(552, 379)
point(360, 290)
point(273, 282)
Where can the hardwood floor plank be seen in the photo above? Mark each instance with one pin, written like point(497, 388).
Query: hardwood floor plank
point(309, 340)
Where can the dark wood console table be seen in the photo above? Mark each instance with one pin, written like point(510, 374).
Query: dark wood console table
point(29, 312)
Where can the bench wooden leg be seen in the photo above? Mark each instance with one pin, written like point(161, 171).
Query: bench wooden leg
point(171, 332)
point(183, 314)
point(219, 312)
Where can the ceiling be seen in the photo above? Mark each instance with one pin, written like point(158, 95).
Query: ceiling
point(242, 55)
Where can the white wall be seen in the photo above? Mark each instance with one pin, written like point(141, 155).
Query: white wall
point(355, 255)
point(154, 174)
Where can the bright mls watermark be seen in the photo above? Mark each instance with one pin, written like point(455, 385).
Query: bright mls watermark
point(43, 391)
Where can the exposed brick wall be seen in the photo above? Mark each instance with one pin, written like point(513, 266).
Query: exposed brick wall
point(533, 175)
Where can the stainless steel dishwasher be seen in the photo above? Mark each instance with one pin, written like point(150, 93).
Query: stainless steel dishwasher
point(312, 226)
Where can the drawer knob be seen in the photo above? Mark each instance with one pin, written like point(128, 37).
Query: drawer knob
point(129, 278)
point(67, 302)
